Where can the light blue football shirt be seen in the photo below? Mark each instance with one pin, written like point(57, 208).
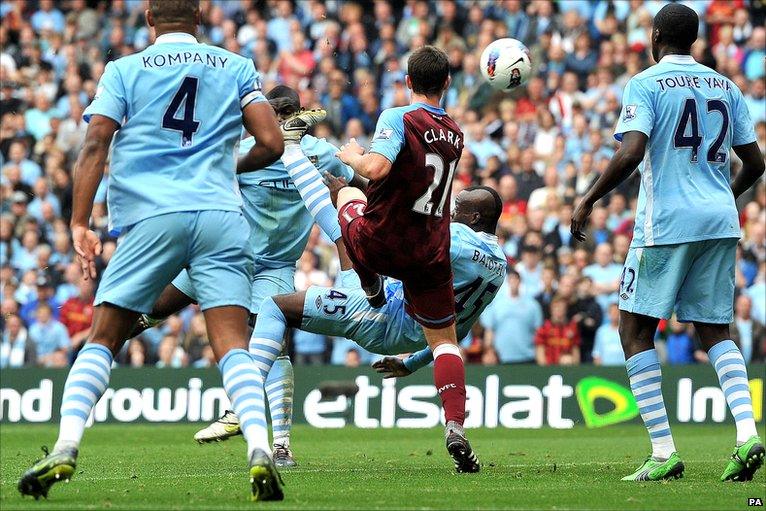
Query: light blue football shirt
point(179, 104)
point(692, 116)
point(280, 224)
point(478, 266)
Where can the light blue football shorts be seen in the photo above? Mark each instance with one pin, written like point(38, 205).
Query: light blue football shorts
point(212, 245)
point(695, 279)
point(266, 282)
point(344, 313)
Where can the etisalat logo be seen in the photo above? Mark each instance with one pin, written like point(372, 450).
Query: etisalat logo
point(373, 403)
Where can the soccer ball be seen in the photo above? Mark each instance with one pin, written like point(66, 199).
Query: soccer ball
point(505, 64)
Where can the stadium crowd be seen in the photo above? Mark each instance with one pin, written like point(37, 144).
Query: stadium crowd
point(540, 146)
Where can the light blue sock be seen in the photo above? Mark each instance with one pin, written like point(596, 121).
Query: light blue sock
point(268, 336)
point(279, 391)
point(244, 386)
point(732, 375)
point(316, 196)
point(85, 384)
point(645, 383)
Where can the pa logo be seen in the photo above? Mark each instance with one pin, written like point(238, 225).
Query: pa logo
point(753, 502)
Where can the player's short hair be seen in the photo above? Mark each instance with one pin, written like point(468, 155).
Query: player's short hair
point(678, 25)
point(168, 11)
point(284, 100)
point(428, 68)
point(493, 216)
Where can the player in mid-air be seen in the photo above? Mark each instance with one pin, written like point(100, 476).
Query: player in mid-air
point(401, 229)
point(479, 267)
point(177, 109)
point(682, 119)
point(281, 204)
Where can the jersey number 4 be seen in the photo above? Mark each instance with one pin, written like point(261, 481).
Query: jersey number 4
point(694, 139)
point(186, 96)
point(425, 204)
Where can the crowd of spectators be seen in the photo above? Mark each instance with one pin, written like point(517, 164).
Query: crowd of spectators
point(541, 146)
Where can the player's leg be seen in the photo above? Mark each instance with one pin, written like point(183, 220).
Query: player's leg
point(219, 253)
point(351, 205)
point(726, 359)
point(85, 384)
point(321, 310)
point(176, 296)
point(280, 381)
point(649, 285)
point(643, 366)
point(305, 176)
point(707, 299)
point(280, 385)
point(347, 194)
point(434, 309)
point(145, 261)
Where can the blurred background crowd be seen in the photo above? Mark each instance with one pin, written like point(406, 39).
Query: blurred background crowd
point(540, 146)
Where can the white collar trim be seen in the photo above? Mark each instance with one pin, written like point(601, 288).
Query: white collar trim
point(678, 59)
point(488, 236)
point(176, 37)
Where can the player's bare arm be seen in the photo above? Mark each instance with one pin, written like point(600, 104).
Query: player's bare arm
point(752, 168)
point(87, 175)
point(261, 122)
point(368, 165)
point(623, 163)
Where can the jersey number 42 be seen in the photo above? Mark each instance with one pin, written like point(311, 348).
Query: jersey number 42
point(694, 140)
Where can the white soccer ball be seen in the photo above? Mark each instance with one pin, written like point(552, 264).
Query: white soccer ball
point(505, 64)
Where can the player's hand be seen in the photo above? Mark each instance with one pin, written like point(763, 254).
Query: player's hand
point(391, 367)
point(580, 220)
point(334, 184)
point(88, 247)
point(349, 151)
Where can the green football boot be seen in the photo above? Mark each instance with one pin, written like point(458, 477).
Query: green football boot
point(653, 470)
point(745, 460)
point(53, 468)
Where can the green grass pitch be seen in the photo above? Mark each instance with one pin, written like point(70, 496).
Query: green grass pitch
point(160, 467)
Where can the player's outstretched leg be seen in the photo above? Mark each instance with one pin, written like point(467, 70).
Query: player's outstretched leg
point(305, 176)
point(645, 383)
point(449, 378)
point(749, 451)
point(279, 392)
point(351, 205)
